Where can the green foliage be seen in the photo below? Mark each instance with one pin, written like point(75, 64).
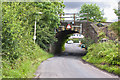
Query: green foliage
point(101, 35)
point(27, 55)
point(104, 55)
point(18, 24)
point(94, 13)
point(25, 67)
point(63, 45)
point(45, 37)
point(75, 40)
point(87, 41)
point(19, 13)
point(18, 21)
point(116, 12)
point(115, 27)
point(48, 22)
point(104, 20)
point(64, 41)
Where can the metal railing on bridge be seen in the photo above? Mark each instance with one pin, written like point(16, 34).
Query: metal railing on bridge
point(75, 23)
point(76, 17)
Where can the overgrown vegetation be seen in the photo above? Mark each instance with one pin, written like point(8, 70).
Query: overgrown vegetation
point(87, 41)
point(75, 40)
point(101, 36)
point(20, 55)
point(64, 41)
point(114, 26)
point(105, 56)
point(26, 65)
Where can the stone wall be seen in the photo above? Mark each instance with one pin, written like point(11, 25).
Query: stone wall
point(90, 30)
point(109, 33)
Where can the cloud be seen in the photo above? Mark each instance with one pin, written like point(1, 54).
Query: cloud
point(108, 6)
point(109, 12)
point(90, 0)
point(77, 5)
point(73, 5)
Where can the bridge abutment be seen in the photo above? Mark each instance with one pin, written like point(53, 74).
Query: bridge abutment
point(88, 31)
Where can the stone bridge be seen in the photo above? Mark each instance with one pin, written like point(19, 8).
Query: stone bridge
point(88, 29)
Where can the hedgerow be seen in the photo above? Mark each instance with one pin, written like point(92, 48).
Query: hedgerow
point(105, 56)
point(20, 55)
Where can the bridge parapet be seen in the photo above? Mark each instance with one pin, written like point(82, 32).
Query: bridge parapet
point(95, 28)
point(73, 28)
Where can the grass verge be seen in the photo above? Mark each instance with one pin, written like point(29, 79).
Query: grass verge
point(104, 56)
point(24, 67)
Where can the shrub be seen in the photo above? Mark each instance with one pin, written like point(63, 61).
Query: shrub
point(114, 26)
point(104, 54)
point(87, 41)
point(18, 21)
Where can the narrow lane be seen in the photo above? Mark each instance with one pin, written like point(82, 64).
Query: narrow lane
point(69, 67)
point(73, 48)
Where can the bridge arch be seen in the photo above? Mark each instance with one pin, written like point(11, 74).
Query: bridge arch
point(62, 36)
point(88, 30)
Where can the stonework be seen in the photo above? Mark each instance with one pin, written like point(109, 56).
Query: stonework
point(90, 31)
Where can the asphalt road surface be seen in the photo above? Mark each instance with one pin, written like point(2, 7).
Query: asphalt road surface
point(74, 48)
point(69, 67)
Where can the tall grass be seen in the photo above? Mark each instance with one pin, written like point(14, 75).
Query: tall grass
point(26, 64)
point(105, 56)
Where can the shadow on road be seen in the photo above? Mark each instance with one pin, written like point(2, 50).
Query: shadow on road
point(71, 54)
point(73, 50)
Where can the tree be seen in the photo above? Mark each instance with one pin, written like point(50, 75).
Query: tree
point(18, 25)
point(48, 22)
point(116, 12)
point(93, 12)
point(115, 25)
point(18, 20)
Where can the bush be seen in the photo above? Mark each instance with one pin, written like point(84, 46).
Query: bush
point(25, 66)
point(114, 26)
point(19, 52)
point(87, 41)
point(75, 40)
point(104, 54)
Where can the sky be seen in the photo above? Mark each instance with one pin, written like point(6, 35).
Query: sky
point(73, 6)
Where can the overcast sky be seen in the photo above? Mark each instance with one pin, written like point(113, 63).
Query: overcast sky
point(73, 6)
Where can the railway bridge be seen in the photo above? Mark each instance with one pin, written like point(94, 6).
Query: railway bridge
point(83, 27)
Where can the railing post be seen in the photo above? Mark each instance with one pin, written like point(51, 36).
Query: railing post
point(74, 18)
